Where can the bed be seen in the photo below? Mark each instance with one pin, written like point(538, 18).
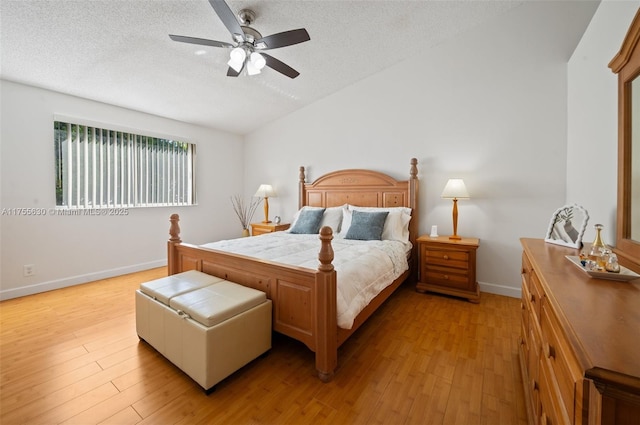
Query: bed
point(305, 299)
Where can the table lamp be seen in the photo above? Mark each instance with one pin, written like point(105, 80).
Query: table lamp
point(455, 189)
point(266, 191)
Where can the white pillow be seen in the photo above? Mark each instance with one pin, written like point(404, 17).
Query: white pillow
point(332, 217)
point(405, 210)
point(396, 226)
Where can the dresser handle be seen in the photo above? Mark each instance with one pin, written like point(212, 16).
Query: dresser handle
point(534, 385)
point(533, 298)
point(543, 419)
point(446, 257)
point(549, 350)
point(445, 277)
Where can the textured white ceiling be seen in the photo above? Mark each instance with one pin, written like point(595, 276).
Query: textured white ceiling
point(119, 52)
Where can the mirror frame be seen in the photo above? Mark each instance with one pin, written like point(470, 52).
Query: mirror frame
point(626, 64)
point(573, 216)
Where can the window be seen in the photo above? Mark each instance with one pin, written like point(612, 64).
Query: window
point(98, 168)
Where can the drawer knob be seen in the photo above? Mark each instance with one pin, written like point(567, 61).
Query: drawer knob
point(445, 277)
point(534, 385)
point(446, 257)
point(533, 298)
point(550, 351)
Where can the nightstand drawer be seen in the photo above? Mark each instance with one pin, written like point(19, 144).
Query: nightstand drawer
point(455, 259)
point(446, 277)
point(262, 228)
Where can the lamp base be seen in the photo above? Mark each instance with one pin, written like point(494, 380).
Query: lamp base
point(455, 237)
point(266, 221)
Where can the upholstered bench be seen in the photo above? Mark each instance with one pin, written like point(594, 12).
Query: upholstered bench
point(207, 326)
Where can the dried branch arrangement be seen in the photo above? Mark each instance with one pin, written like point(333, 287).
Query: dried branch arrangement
point(245, 210)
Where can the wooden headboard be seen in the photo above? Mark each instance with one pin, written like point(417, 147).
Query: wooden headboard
point(363, 188)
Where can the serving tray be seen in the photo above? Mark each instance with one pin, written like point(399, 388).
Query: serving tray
point(625, 274)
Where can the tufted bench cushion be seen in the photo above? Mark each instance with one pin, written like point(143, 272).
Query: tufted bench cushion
point(168, 287)
point(216, 303)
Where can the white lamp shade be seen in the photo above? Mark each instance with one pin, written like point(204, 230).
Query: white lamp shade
point(252, 69)
point(455, 189)
point(255, 63)
point(258, 60)
point(266, 191)
point(236, 58)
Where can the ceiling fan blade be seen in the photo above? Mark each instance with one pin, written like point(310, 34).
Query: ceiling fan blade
point(280, 66)
point(202, 41)
point(283, 39)
point(228, 18)
point(232, 72)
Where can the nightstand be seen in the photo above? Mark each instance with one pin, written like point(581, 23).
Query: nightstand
point(448, 266)
point(260, 228)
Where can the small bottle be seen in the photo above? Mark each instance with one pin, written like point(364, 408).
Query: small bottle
point(598, 246)
point(612, 264)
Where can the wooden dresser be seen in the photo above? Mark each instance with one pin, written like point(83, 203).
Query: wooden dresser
point(448, 266)
point(580, 341)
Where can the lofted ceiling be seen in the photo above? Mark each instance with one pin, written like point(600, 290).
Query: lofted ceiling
point(118, 51)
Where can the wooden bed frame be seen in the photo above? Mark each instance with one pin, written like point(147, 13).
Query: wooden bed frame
point(304, 300)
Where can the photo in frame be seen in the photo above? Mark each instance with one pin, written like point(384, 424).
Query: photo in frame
point(567, 226)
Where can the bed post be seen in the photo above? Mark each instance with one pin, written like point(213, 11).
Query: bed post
point(174, 233)
point(327, 321)
point(413, 203)
point(301, 180)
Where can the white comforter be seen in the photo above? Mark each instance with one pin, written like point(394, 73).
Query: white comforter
point(364, 268)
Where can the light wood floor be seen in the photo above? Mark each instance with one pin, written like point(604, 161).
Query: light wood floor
point(72, 356)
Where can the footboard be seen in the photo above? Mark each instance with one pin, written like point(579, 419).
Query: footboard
point(304, 300)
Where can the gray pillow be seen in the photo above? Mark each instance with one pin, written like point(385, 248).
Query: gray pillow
point(308, 221)
point(366, 226)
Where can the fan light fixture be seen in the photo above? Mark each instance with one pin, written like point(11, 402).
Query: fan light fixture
point(254, 62)
point(246, 40)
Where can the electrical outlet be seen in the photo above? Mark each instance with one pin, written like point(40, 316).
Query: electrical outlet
point(29, 270)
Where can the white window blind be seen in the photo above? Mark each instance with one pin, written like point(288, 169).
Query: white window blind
point(100, 168)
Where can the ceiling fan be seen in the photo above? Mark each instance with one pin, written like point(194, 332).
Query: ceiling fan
point(247, 52)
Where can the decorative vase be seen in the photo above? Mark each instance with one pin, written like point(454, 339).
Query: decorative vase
point(245, 232)
point(598, 246)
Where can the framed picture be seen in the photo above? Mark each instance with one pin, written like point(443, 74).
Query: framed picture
point(567, 226)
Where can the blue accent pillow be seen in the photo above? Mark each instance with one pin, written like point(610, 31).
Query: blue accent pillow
point(308, 221)
point(366, 226)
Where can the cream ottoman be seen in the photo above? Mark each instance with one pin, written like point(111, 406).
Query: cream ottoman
point(207, 326)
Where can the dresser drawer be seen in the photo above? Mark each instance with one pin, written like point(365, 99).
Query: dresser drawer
point(555, 351)
point(526, 271)
point(446, 258)
point(552, 408)
point(536, 293)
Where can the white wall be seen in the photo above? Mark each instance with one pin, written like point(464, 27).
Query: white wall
point(70, 250)
point(511, 119)
point(593, 117)
point(488, 108)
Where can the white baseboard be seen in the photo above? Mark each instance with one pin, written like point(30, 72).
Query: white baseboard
point(77, 280)
point(507, 291)
point(7, 294)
